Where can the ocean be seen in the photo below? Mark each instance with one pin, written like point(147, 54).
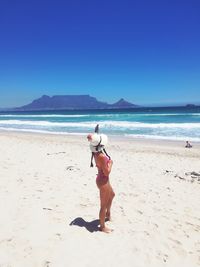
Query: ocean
point(177, 123)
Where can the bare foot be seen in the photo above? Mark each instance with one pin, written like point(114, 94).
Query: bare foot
point(106, 230)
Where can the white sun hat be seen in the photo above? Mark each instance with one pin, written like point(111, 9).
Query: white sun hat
point(97, 142)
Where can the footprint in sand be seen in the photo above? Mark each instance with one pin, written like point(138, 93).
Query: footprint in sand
point(156, 209)
point(175, 241)
point(146, 233)
point(162, 256)
point(178, 247)
point(165, 257)
point(122, 210)
point(188, 223)
point(155, 224)
point(165, 217)
point(140, 212)
point(58, 235)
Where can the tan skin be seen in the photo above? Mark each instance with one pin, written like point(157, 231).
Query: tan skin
point(106, 192)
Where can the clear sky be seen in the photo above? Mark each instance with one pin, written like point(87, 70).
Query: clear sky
point(147, 52)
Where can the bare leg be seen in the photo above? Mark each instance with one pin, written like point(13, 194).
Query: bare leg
point(104, 198)
point(111, 196)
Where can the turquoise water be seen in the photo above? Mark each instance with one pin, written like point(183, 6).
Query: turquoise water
point(156, 123)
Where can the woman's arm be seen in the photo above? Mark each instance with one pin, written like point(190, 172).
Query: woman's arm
point(106, 165)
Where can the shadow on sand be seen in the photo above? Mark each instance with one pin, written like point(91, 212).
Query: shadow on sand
point(90, 226)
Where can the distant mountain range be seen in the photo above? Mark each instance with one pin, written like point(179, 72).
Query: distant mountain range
point(73, 102)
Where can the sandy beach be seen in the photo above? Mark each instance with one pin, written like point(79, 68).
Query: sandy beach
point(50, 203)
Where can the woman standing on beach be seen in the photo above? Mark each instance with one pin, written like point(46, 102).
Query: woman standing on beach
point(104, 166)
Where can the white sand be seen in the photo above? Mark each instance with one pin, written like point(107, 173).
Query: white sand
point(46, 184)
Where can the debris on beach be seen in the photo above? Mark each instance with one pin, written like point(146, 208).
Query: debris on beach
point(72, 168)
point(187, 176)
point(61, 152)
point(47, 209)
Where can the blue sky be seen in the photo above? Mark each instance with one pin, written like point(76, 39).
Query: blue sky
point(147, 52)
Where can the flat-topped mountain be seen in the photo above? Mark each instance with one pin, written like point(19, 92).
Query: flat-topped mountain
point(72, 102)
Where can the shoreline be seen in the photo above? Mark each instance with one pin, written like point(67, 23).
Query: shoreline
point(125, 138)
